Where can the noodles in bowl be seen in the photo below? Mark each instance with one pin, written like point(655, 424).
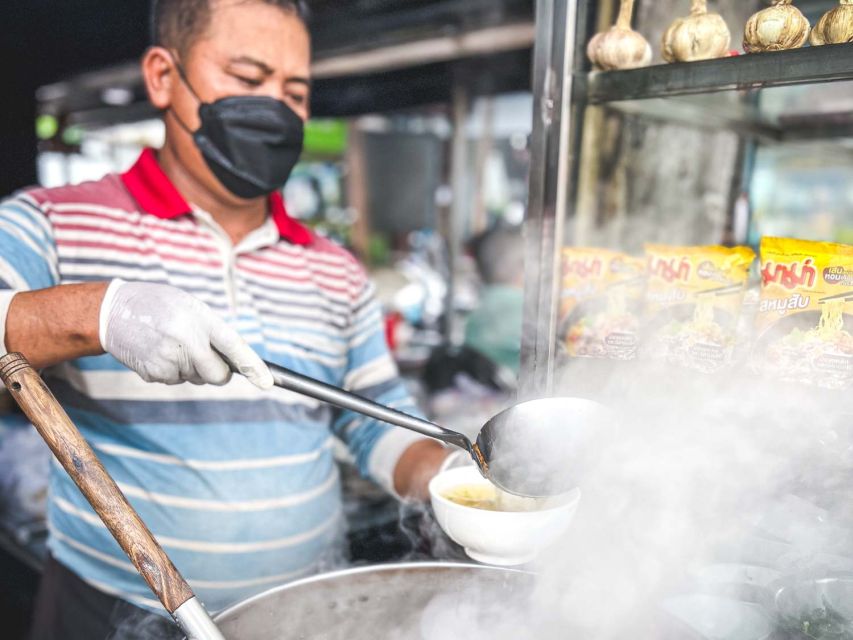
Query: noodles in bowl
point(484, 495)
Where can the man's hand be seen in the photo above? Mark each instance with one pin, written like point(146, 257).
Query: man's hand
point(416, 467)
point(169, 336)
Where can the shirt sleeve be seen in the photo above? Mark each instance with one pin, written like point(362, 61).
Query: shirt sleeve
point(372, 373)
point(27, 253)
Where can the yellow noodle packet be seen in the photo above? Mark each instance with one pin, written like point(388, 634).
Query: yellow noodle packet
point(600, 301)
point(692, 304)
point(803, 327)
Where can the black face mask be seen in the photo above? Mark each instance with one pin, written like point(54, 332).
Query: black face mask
point(250, 143)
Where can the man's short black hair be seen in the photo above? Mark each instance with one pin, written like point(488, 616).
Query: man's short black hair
point(176, 24)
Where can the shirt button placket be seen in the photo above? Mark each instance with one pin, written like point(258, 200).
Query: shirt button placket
point(231, 281)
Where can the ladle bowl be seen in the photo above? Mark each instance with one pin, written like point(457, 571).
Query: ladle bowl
point(540, 448)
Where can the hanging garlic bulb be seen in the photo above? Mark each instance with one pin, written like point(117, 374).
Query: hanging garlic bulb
point(699, 36)
point(779, 27)
point(836, 25)
point(620, 47)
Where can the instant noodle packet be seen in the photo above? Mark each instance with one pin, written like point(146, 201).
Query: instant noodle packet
point(602, 292)
point(693, 300)
point(803, 318)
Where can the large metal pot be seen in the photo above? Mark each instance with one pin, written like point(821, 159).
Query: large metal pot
point(424, 601)
point(370, 603)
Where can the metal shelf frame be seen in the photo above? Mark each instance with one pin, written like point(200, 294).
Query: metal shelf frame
point(564, 87)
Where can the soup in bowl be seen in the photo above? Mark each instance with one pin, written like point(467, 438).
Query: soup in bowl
point(495, 527)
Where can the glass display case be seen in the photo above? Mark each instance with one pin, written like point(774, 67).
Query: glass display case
point(718, 152)
point(723, 477)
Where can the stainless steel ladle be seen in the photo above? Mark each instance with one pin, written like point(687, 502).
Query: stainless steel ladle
point(528, 450)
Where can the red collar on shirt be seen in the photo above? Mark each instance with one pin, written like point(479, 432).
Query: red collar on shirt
point(156, 195)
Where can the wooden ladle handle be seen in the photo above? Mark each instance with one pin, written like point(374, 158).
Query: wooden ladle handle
point(81, 463)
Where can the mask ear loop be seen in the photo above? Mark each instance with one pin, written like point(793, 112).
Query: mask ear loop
point(186, 82)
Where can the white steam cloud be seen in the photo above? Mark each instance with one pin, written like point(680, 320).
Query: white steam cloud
point(710, 494)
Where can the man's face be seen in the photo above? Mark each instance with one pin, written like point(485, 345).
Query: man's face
point(249, 48)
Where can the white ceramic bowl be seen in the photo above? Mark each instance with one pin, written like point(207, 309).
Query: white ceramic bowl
point(504, 538)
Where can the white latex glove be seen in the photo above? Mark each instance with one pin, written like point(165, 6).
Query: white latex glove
point(169, 336)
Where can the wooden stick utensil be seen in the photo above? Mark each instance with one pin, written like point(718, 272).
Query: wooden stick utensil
point(81, 463)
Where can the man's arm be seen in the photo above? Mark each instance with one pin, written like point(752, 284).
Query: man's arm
point(44, 322)
point(161, 332)
point(416, 467)
point(402, 461)
point(56, 324)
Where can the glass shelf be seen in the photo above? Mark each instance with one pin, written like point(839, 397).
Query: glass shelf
point(811, 65)
point(773, 116)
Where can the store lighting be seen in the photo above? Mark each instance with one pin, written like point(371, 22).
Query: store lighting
point(117, 96)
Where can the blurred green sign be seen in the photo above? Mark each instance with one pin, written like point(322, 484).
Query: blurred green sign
point(325, 137)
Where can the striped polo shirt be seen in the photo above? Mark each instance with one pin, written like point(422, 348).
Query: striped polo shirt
point(238, 485)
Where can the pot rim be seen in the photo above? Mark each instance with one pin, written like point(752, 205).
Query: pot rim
point(377, 568)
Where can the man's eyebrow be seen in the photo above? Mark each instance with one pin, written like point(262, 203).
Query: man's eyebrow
point(266, 69)
point(299, 80)
point(263, 66)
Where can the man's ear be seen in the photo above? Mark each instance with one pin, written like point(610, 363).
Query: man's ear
point(160, 75)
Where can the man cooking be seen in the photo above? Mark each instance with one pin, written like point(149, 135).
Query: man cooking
point(179, 271)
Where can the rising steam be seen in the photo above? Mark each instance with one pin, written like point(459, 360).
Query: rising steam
point(709, 493)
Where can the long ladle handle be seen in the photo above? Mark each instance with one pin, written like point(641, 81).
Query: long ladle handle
point(81, 463)
point(298, 383)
